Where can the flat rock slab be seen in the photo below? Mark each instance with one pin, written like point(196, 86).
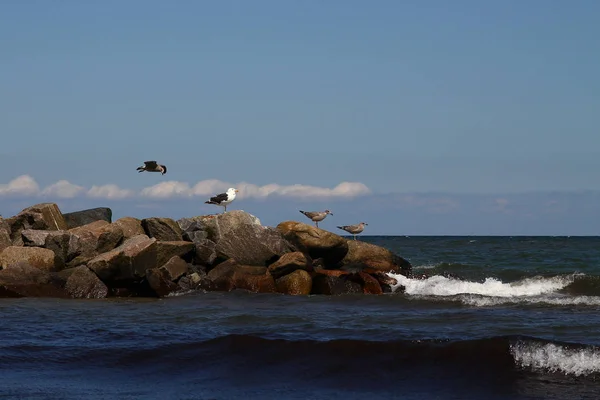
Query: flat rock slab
point(84, 217)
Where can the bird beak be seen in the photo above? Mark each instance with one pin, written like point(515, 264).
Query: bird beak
point(236, 190)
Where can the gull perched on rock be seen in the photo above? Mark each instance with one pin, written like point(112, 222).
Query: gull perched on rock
point(316, 216)
point(152, 166)
point(223, 199)
point(354, 229)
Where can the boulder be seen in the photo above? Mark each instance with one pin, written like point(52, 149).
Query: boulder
point(84, 217)
point(289, 263)
point(24, 280)
point(93, 239)
point(131, 227)
point(334, 285)
point(192, 281)
point(166, 250)
point(386, 282)
point(81, 283)
point(164, 229)
point(315, 242)
point(37, 257)
point(44, 216)
point(205, 252)
point(376, 258)
point(298, 282)
point(129, 261)
point(162, 280)
point(230, 275)
point(237, 235)
point(64, 244)
point(369, 284)
point(5, 239)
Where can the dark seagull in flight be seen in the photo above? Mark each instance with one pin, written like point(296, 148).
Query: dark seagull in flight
point(152, 166)
point(353, 229)
point(316, 216)
point(223, 199)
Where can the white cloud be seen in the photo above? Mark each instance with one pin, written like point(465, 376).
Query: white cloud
point(167, 190)
point(23, 185)
point(110, 191)
point(63, 189)
point(26, 185)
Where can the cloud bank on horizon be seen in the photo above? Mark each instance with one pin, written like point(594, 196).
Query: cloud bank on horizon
point(26, 185)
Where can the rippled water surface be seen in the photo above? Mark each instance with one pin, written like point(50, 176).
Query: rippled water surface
point(487, 317)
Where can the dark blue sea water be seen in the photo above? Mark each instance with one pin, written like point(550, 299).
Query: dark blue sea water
point(489, 318)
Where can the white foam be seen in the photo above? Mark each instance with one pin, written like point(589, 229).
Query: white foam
point(552, 299)
point(425, 266)
point(442, 286)
point(555, 358)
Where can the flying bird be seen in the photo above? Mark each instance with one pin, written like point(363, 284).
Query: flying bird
point(152, 166)
point(316, 216)
point(354, 229)
point(223, 199)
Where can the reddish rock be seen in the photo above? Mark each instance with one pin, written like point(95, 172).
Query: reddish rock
point(24, 280)
point(34, 256)
point(369, 284)
point(334, 285)
point(331, 272)
point(315, 242)
point(289, 263)
point(131, 227)
point(163, 229)
point(230, 275)
point(81, 283)
point(298, 282)
point(386, 282)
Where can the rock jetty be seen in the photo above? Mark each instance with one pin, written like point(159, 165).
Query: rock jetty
point(84, 254)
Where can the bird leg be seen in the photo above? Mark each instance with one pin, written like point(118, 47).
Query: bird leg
point(354, 237)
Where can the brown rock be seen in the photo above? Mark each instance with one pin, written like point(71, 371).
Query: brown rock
point(369, 284)
point(131, 227)
point(164, 229)
point(317, 243)
point(5, 239)
point(166, 250)
point(34, 256)
point(386, 282)
point(289, 263)
point(129, 261)
point(230, 275)
point(334, 285)
point(375, 257)
point(44, 216)
point(298, 282)
point(217, 225)
point(331, 272)
point(84, 217)
point(24, 280)
point(93, 239)
point(81, 283)
point(162, 280)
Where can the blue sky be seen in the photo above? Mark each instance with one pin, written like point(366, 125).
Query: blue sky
point(468, 100)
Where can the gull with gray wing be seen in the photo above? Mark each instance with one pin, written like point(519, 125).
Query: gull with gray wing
point(316, 216)
point(353, 229)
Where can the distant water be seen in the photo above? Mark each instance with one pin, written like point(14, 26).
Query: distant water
point(494, 318)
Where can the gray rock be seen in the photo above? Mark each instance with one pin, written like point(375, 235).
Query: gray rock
point(205, 252)
point(162, 280)
point(64, 244)
point(84, 217)
point(166, 250)
point(164, 229)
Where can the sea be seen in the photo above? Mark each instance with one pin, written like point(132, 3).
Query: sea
point(483, 318)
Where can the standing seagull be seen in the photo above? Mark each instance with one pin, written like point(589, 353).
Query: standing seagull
point(223, 199)
point(354, 229)
point(316, 216)
point(152, 166)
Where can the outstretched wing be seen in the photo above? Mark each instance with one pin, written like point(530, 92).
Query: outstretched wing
point(150, 164)
point(219, 198)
